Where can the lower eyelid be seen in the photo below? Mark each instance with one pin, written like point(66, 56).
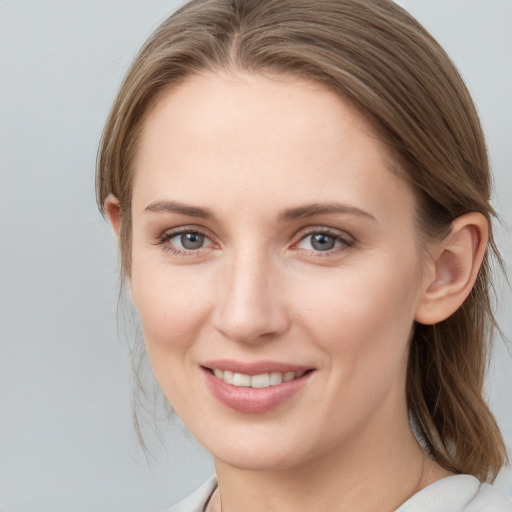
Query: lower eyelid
point(343, 240)
point(165, 238)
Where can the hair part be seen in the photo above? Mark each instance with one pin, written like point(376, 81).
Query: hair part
point(379, 58)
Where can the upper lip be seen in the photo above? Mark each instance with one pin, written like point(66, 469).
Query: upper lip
point(254, 368)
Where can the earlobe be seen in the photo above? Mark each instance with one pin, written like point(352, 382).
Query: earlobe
point(113, 212)
point(458, 259)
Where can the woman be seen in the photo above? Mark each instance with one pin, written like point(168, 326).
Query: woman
point(301, 195)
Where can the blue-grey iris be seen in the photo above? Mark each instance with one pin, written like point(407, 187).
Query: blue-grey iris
point(322, 242)
point(192, 241)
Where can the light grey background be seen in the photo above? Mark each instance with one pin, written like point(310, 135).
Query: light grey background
point(66, 437)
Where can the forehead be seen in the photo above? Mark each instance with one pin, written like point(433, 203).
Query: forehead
point(263, 139)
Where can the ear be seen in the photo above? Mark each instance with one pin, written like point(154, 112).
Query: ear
point(456, 261)
point(113, 212)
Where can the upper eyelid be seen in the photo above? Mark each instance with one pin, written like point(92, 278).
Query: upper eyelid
point(172, 232)
point(335, 232)
point(169, 234)
point(163, 242)
point(346, 240)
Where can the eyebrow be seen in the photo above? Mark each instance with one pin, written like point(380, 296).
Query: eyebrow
point(322, 209)
point(289, 214)
point(176, 207)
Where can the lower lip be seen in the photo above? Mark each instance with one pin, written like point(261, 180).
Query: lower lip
point(253, 400)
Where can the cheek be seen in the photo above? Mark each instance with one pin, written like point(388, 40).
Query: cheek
point(363, 317)
point(362, 324)
point(173, 305)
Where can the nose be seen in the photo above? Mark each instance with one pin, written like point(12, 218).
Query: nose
point(251, 306)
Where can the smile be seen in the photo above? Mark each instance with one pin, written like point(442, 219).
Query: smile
point(253, 388)
point(263, 380)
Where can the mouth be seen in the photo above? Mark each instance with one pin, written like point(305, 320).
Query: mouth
point(259, 381)
point(254, 387)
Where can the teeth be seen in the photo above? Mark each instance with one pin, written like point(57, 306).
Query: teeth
point(263, 380)
point(260, 381)
point(288, 376)
point(242, 380)
point(276, 378)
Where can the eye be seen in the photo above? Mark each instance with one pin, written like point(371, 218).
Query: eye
point(321, 242)
point(184, 242)
point(189, 241)
point(324, 241)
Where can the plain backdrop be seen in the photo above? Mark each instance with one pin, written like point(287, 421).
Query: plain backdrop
point(67, 443)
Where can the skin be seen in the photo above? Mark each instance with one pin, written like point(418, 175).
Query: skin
point(247, 149)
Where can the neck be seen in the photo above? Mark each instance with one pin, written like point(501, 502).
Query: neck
point(377, 471)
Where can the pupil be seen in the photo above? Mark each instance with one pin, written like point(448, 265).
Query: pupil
point(322, 242)
point(192, 240)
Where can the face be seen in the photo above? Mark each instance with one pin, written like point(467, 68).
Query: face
point(276, 268)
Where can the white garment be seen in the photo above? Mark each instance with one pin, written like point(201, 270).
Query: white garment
point(458, 493)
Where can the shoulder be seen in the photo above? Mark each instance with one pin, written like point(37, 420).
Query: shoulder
point(198, 499)
point(459, 493)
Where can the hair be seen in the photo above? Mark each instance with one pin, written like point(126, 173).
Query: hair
point(375, 55)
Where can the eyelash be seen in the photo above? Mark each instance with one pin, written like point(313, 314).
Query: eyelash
point(163, 241)
point(345, 242)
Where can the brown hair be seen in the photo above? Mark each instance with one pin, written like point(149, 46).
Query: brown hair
point(377, 56)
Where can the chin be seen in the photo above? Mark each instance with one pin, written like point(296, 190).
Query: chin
point(259, 453)
point(254, 460)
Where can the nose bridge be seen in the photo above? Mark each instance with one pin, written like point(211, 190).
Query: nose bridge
point(250, 304)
